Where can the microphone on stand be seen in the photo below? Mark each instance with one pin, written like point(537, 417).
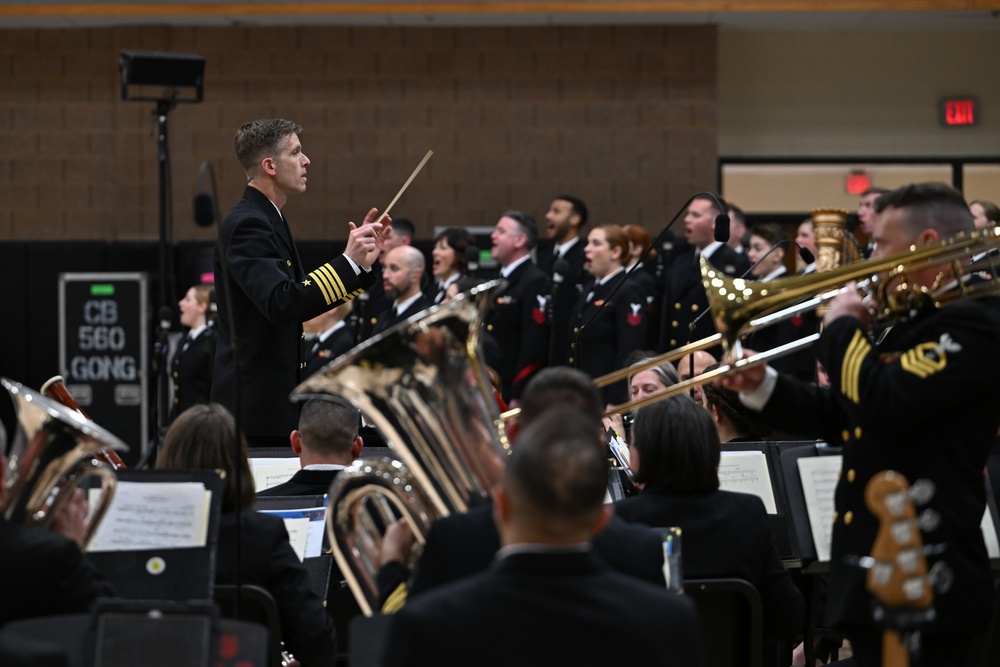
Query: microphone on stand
point(204, 201)
point(722, 224)
point(806, 255)
point(472, 261)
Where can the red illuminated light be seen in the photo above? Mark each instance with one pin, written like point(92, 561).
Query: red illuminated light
point(858, 181)
point(959, 112)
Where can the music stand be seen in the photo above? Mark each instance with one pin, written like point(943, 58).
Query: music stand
point(170, 74)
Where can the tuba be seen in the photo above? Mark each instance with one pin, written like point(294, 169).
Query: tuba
point(53, 453)
point(424, 386)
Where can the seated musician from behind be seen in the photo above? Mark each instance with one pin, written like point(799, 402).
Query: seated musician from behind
point(547, 598)
point(326, 442)
point(675, 452)
point(47, 574)
point(463, 544)
point(204, 438)
point(734, 421)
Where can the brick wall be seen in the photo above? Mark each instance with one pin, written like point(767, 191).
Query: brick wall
point(625, 117)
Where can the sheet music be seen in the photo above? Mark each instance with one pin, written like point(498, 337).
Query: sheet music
point(746, 472)
point(153, 515)
point(990, 534)
point(819, 481)
point(272, 471)
point(306, 528)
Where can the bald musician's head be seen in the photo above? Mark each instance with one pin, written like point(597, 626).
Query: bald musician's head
point(404, 265)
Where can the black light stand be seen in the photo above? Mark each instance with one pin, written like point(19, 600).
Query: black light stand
point(162, 78)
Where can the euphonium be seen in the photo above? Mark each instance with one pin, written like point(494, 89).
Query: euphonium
point(423, 384)
point(53, 453)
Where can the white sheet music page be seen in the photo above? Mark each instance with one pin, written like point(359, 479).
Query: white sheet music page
point(990, 534)
point(306, 528)
point(819, 476)
point(154, 515)
point(272, 471)
point(746, 472)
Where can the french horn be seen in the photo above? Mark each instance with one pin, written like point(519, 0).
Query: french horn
point(53, 453)
point(423, 384)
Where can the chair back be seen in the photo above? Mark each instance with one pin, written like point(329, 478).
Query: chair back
point(256, 605)
point(731, 621)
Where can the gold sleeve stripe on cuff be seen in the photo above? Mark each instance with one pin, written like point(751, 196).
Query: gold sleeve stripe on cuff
point(850, 371)
point(321, 284)
point(396, 600)
point(329, 282)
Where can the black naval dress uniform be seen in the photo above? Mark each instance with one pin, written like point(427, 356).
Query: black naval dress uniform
point(922, 402)
point(518, 322)
point(271, 297)
point(684, 298)
point(564, 296)
point(606, 329)
point(191, 370)
point(322, 352)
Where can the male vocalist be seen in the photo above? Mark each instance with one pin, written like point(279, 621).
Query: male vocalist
point(684, 297)
point(259, 277)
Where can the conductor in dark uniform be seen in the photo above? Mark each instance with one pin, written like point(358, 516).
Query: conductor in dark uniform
point(262, 280)
point(191, 367)
point(609, 320)
point(565, 221)
point(921, 401)
point(518, 317)
point(684, 298)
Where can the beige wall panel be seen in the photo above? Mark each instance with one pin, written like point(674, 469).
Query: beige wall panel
point(768, 188)
point(855, 94)
point(982, 181)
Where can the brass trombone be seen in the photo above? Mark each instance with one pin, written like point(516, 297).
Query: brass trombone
point(740, 306)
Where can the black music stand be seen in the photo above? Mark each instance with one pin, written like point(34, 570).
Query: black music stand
point(163, 78)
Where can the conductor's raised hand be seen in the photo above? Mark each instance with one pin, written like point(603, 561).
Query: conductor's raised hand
point(364, 243)
point(745, 380)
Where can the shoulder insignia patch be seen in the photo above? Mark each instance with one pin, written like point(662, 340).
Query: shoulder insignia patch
point(929, 358)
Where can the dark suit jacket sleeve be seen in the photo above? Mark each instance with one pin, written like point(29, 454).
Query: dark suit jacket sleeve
point(256, 264)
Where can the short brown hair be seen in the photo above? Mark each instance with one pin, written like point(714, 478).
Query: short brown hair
point(259, 139)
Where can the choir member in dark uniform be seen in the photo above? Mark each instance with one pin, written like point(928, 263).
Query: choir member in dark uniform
point(920, 400)
point(262, 281)
point(684, 298)
point(555, 600)
point(204, 438)
point(768, 258)
point(675, 454)
point(517, 318)
point(191, 367)
point(609, 321)
point(449, 261)
point(644, 273)
point(401, 275)
point(565, 221)
point(333, 337)
point(372, 303)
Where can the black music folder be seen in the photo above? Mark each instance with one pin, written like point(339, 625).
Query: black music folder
point(139, 571)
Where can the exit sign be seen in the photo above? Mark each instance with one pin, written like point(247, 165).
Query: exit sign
point(959, 111)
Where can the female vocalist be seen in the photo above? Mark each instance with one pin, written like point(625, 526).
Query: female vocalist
point(449, 261)
point(191, 367)
point(609, 320)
